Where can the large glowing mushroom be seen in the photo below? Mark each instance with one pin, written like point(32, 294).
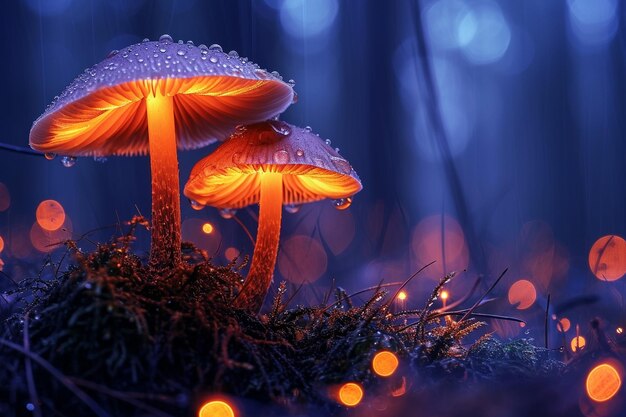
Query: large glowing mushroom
point(270, 163)
point(155, 97)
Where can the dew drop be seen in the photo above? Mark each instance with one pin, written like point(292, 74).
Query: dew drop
point(68, 161)
point(145, 40)
point(300, 153)
point(281, 157)
point(291, 83)
point(190, 43)
point(328, 142)
point(113, 53)
point(216, 47)
point(166, 38)
point(234, 54)
point(308, 129)
point(181, 52)
point(227, 213)
point(213, 59)
point(341, 164)
point(292, 208)
point(196, 205)
point(49, 156)
point(342, 203)
point(236, 158)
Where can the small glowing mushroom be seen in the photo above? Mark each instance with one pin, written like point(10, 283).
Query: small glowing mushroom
point(157, 97)
point(270, 163)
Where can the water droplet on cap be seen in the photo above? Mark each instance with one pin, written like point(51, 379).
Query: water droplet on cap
point(291, 83)
point(68, 161)
point(281, 157)
point(113, 53)
point(308, 129)
point(342, 203)
point(181, 52)
point(216, 47)
point(300, 153)
point(213, 59)
point(145, 40)
point(328, 142)
point(166, 38)
point(49, 156)
point(292, 208)
point(234, 54)
point(228, 213)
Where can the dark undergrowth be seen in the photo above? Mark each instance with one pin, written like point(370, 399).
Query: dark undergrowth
point(111, 337)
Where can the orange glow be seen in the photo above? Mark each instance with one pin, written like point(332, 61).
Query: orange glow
point(350, 394)
point(5, 198)
point(231, 253)
point(385, 363)
point(207, 228)
point(444, 295)
point(522, 294)
point(216, 409)
point(607, 258)
point(619, 330)
point(603, 382)
point(192, 231)
point(1, 244)
point(577, 343)
point(50, 215)
point(402, 295)
point(441, 239)
point(563, 325)
point(302, 259)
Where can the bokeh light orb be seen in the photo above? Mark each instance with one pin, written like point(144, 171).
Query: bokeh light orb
point(216, 408)
point(603, 382)
point(231, 253)
point(304, 19)
point(50, 215)
point(402, 295)
point(302, 259)
point(563, 325)
point(522, 294)
point(385, 363)
point(439, 17)
point(350, 394)
point(207, 228)
point(5, 198)
point(578, 343)
point(484, 33)
point(607, 258)
point(593, 22)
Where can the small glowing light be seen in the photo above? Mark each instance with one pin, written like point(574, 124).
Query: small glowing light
point(1, 244)
point(207, 228)
point(563, 325)
point(603, 382)
point(402, 295)
point(350, 394)
point(50, 215)
point(444, 295)
point(385, 363)
point(619, 330)
point(216, 409)
point(578, 343)
point(522, 294)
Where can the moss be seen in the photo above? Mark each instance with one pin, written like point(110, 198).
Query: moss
point(135, 340)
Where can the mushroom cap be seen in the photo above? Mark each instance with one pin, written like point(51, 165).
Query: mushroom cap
point(230, 177)
point(102, 112)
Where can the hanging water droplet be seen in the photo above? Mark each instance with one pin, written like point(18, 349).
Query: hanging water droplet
point(228, 213)
point(68, 161)
point(216, 47)
point(300, 153)
point(196, 205)
point(291, 83)
point(166, 38)
point(292, 208)
point(49, 156)
point(113, 53)
point(281, 157)
point(342, 203)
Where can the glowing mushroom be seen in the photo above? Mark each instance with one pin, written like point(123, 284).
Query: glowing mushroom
point(270, 163)
point(155, 97)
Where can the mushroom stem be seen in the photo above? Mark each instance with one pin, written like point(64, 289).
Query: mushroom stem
point(166, 240)
point(259, 278)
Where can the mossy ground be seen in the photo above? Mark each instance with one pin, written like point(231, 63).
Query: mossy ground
point(113, 337)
